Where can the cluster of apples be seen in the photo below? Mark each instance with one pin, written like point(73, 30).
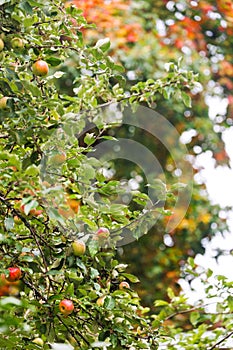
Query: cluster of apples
point(9, 284)
point(66, 306)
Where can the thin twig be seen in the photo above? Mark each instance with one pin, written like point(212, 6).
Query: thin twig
point(72, 332)
point(221, 341)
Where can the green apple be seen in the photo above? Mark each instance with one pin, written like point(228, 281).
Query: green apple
point(17, 43)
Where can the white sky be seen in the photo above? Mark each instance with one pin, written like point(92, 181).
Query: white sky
point(219, 183)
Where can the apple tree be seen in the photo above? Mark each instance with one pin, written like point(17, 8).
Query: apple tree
point(60, 222)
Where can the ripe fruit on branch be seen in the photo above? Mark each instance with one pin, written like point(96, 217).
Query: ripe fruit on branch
point(3, 101)
point(66, 307)
point(124, 285)
point(102, 233)
point(8, 288)
point(17, 43)
point(1, 44)
point(14, 274)
point(79, 247)
point(40, 68)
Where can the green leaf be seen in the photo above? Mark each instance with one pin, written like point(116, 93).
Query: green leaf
point(170, 293)
point(103, 44)
point(89, 139)
point(130, 277)
point(9, 223)
point(194, 317)
point(93, 247)
point(32, 170)
point(109, 302)
point(29, 21)
point(32, 88)
point(160, 303)
point(29, 206)
point(53, 61)
point(186, 99)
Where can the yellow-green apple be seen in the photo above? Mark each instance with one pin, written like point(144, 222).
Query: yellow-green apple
point(3, 102)
point(1, 44)
point(78, 247)
point(17, 43)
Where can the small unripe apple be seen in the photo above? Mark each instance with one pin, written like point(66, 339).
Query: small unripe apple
point(40, 68)
point(3, 102)
point(79, 247)
point(100, 300)
point(38, 341)
point(1, 44)
point(17, 43)
point(102, 233)
point(14, 274)
point(124, 285)
point(66, 307)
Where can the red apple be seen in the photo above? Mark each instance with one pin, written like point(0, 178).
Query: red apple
point(124, 285)
point(79, 247)
point(14, 274)
point(102, 233)
point(66, 307)
point(40, 68)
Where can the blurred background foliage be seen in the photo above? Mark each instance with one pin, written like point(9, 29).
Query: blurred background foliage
point(144, 36)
